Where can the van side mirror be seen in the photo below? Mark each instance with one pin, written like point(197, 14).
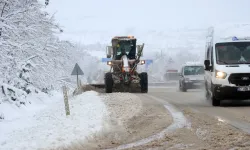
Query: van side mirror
point(207, 65)
point(109, 51)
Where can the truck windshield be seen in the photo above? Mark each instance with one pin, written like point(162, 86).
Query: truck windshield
point(125, 46)
point(194, 70)
point(233, 53)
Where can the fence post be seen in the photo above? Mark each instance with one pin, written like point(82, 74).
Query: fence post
point(66, 101)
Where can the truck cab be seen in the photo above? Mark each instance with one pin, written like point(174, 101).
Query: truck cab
point(227, 68)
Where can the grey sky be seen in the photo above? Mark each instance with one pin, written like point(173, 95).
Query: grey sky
point(78, 15)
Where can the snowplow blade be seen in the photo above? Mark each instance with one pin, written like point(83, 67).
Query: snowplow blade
point(89, 87)
point(98, 85)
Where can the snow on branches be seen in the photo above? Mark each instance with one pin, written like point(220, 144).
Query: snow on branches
point(31, 56)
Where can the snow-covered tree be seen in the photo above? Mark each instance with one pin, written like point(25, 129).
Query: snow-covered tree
point(32, 58)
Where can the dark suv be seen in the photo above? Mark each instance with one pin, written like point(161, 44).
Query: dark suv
point(191, 77)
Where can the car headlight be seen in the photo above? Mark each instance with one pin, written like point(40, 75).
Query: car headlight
point(220, 74)
point(186, 80)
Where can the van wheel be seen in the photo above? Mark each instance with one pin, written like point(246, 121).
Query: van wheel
point(215, 101)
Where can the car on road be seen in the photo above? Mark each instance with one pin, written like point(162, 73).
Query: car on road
point(191, 77)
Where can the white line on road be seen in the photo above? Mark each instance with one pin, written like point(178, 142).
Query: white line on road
point(179, 121)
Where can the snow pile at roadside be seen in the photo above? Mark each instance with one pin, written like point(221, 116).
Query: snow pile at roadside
point(33, 59)
point(43, 124)
point(122, 106)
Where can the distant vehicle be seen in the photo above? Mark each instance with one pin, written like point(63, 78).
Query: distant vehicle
point(191, 77)
point(172, 75)
point(227, 69)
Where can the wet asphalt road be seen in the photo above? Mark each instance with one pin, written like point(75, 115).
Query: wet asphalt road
point(235, 113)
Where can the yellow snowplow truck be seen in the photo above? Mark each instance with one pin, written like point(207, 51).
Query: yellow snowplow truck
point(123, 76)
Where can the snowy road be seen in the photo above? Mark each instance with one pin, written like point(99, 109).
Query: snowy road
point(207, 127)
point(235, 113)
point(164, 118)
point(217, 127)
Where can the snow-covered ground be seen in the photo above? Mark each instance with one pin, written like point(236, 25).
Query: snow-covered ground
point(34, 62)
point(44, 123)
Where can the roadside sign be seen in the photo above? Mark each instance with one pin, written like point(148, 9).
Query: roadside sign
point(77, 70)
point(106, 59)
point(148, 62)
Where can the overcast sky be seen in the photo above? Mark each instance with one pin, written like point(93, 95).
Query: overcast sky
point(78, 15)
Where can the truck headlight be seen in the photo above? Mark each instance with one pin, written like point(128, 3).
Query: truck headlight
point(142, 62)
point(109, 63)
point(220, 74)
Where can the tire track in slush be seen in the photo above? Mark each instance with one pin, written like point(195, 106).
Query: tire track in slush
point(179, 121)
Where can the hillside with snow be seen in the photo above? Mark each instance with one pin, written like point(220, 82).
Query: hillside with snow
point(35, 64)
point(33, 58)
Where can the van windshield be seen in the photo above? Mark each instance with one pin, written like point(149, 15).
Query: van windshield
point(233, 53)
point(194, 70)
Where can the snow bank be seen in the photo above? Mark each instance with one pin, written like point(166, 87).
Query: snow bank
point(43, 124)
point(33, 59)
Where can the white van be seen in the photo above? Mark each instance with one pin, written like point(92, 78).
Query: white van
point(227, 66)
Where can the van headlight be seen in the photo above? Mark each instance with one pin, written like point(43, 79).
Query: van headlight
point(220, 74)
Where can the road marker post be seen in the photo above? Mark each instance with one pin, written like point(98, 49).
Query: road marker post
point(66, 101)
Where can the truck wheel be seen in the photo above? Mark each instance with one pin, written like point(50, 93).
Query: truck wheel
point(108, 82)
point(144, 82)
